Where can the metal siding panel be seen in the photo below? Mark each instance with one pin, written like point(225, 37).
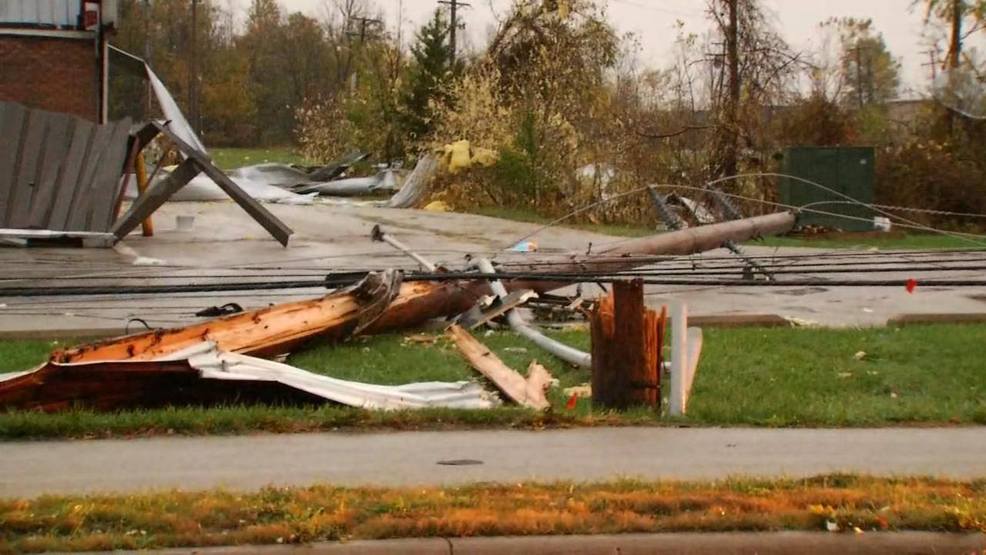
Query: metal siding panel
point(106, 183)
point(27, 173)
point(70, 15)
point(46, 12)
point(12, 119)
point(60, 131)
point(37, 151)
point(62, 13)
point(18, 125)
point(29, 11)
point(82, 202)
point(69, 176)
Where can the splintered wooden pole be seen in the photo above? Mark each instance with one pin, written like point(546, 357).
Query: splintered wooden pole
point(625, 352)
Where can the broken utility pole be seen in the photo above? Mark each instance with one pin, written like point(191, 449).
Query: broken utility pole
point(627, 340)
point(379, 304)
point(673, 222)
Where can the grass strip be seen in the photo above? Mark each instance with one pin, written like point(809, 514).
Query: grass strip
point(232, 158)
point(776, 377)
point(895, 240)
point(272, 515)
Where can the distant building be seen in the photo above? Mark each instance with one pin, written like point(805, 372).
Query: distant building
point(908, 111)
point(53, 54)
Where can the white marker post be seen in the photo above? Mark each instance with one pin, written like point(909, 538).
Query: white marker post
point(679, 358)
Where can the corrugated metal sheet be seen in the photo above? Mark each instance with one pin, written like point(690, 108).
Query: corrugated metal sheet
point(59, 172)
point(46, 13)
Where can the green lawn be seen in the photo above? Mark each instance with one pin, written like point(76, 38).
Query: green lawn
point(882, 241)
point(748, 376)
point(530, 216)
point(232, 158)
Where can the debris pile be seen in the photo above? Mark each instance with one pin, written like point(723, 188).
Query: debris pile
point(229, 358)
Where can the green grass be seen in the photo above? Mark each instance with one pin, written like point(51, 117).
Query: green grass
point(23, 355)
point(232, 158)
point(530, 216)
point(917, 375)
point(882, 241)
point(790, 376)
point(802, 377)
point(272, 515)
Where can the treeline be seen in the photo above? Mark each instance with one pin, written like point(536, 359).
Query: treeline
point(242, 84)
point(563, 99)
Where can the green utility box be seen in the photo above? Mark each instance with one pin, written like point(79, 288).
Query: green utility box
point(848, 170)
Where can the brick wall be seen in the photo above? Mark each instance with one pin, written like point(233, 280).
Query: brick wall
point(56, 74)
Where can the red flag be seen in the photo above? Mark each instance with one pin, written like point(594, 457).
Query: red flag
point(912, 284)
point(572, 401)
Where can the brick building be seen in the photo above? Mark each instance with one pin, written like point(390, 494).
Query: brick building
point(53, 54)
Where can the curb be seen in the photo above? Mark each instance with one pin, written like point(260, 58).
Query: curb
point(902, 320)
point(762, 543)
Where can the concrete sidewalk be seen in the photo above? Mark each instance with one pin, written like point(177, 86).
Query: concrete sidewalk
point(412, 458)
point(762, 543)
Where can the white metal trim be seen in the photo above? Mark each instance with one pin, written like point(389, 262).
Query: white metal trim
point(52, 33)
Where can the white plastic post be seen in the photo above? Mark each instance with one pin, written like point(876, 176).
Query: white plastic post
point(679, 358)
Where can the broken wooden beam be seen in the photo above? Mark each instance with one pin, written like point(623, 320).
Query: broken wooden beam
point(525, 392)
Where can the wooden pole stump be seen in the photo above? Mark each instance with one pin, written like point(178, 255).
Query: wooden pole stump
point(626, 349)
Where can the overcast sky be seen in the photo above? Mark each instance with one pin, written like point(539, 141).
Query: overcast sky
point(653, 20)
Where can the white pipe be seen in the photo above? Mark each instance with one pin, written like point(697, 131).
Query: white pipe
point(517, 323)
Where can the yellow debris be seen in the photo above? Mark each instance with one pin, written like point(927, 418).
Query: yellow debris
point(563, 8)
point(438, 206)
point(484, 157)
point(460, 155)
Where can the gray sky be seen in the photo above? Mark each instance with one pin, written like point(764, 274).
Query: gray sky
point(653, 20)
